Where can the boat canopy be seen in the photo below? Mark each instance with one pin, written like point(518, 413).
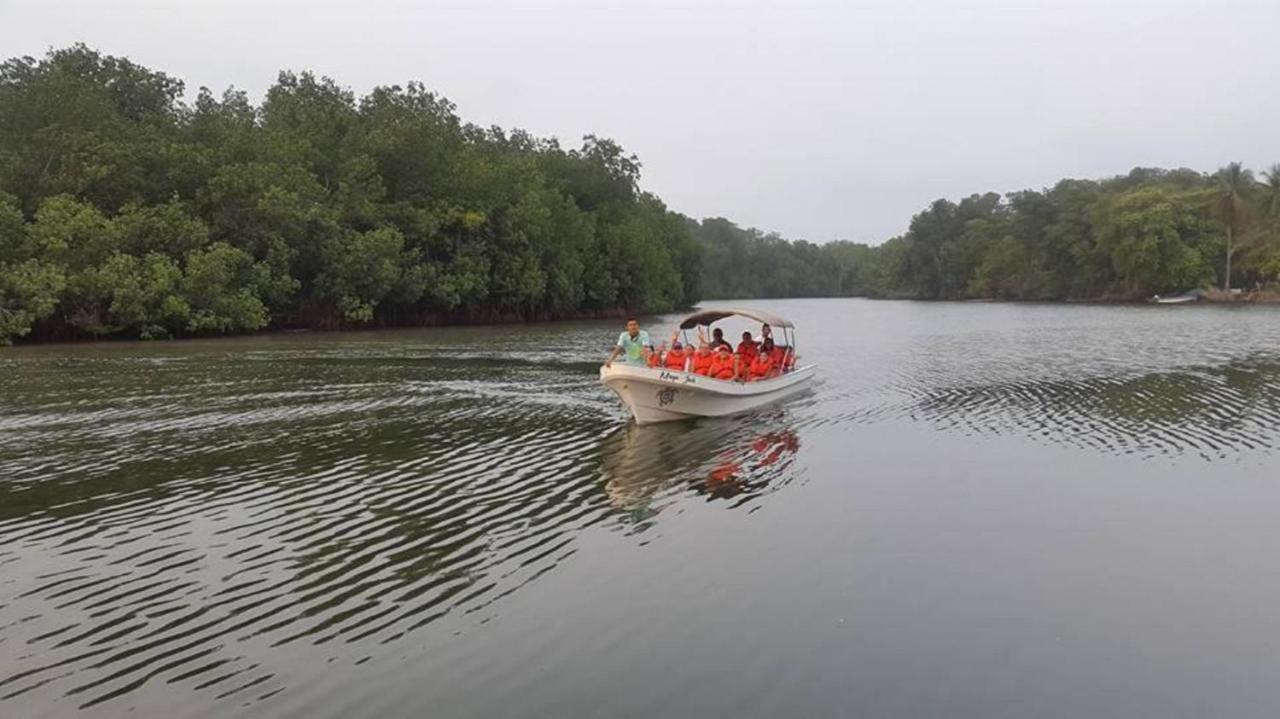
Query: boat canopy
point(706, 317)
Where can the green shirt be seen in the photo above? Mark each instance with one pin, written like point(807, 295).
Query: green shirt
point(632, 349)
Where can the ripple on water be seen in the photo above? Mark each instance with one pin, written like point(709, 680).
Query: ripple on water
point(220, 526)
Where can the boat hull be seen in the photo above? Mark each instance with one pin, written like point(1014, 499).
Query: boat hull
point(660, 395)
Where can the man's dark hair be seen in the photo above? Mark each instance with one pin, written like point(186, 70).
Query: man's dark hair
point(717, 331)
point(632, 319)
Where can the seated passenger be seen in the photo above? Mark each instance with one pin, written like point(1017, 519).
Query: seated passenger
point(747, 347)
point(702, 359)
point(767, 345)
point(718, 340)
point(774, 352)
point(655, 358)
point(761, 366)
point(676, 357)
point(724, 364)
point(788, 359)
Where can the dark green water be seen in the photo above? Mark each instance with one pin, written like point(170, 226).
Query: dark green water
point(981, 510)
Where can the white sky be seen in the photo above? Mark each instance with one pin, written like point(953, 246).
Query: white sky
point(815, 119)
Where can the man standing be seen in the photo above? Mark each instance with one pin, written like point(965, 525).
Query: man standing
point(633, 344)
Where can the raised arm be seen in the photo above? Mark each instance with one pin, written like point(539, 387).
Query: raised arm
point(647, 348)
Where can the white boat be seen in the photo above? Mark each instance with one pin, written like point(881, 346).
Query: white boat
point(656, 394)
point(1185, 297)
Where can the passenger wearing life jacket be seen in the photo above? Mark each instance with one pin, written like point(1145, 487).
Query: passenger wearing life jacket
point(775, 353)
point(723, 366)
point(675, 359)
point(747, 351)
point(783, 357)
point(702, 359)
point(767, 347)
point(655, 358)
point(788, 358)
point(718, 340)
point(761, 366)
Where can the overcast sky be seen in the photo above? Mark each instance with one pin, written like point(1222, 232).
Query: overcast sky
point(820, 120)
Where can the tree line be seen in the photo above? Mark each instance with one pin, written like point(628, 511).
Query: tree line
point(1125, 238)
point(127, 211)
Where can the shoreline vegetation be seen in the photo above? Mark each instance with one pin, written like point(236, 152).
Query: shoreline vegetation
point(128, 212)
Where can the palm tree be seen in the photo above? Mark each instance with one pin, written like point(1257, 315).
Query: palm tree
point(1272, 186)
point(1234, 182)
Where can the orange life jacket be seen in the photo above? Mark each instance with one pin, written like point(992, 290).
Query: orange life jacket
point(702, 362)
point(760, 366)
point(747, 349)
point(655, 360)
point(675, 360)
point(722, 366)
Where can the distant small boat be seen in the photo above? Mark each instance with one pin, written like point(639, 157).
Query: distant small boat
point(1183, 298)
point(656, 394)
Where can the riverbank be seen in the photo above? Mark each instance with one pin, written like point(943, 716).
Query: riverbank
point(308, 321)
point(1256, 297)
point(312, 319)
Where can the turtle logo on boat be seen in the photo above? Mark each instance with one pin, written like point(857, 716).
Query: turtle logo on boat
point(666, 396)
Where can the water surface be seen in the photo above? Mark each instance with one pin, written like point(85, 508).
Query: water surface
point(982, 510)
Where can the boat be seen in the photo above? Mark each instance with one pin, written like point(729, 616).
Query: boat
point(657, 394)
point(1185, 297)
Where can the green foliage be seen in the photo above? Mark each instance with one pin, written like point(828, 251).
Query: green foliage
point(142, 294)
point(29, 287)
point(28, 293)
point(1270, 200)
point(748, 263)
point(221, 290)
point(167, 229)
point(150, 217)
point(363, 271)
point(1157, 239)
point(1151, 231)
point(13, 230)
point(126, 211)
point(72, 233)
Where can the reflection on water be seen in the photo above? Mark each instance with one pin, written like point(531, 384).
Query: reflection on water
point(645, 468)
point(190, 528)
